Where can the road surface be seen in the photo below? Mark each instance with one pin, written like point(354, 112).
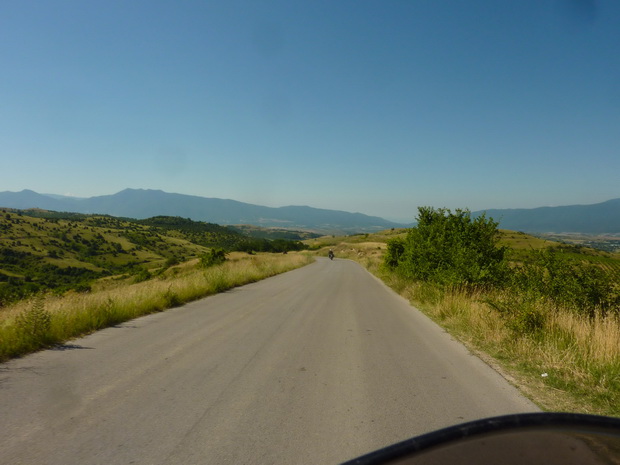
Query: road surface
point(317, 365)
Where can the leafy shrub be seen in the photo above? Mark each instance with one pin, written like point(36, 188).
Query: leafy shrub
point(143, 275)
point(521, 314)
point(450, 248)
point(581, 287)
point(214, 257)
point(395, 250)
point(83, 288)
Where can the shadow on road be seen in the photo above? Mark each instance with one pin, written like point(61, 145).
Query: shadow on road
point(63, 347)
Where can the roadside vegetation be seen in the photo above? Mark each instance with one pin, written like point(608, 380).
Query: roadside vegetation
point(43, 251)
point(46, 320)
point(63, 275)
point(545, 314)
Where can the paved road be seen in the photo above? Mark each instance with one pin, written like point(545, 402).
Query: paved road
point(318, 365)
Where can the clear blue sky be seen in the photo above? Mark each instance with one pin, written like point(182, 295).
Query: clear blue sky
point(365, 106)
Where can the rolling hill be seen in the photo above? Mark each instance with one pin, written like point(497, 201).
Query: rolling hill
point(591, 219)
point(48, 251)
point(140, 204)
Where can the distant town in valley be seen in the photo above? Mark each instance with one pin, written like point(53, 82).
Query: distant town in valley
point(608, 242)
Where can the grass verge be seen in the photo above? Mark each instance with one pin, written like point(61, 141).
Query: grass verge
point(571, 364)
point(48, 320)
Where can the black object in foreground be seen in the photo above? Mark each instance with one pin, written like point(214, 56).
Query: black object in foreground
point(531, 438)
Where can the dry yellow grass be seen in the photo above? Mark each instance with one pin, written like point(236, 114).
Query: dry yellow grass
point(600, 337)
point(571, 364)
point(75, 314)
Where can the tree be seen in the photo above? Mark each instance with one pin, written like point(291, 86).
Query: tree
point(450, 248)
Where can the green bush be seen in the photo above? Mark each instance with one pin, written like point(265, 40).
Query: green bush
point(520, 313)
point(142, 275)
point(582, 287)
point(395, 250)
point(450, 248)
point(214, 257)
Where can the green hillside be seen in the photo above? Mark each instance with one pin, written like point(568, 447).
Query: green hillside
point(43, 250)
point(522, 247)
point(274, 233)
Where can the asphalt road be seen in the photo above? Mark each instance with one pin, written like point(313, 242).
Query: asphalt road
point(318, 365)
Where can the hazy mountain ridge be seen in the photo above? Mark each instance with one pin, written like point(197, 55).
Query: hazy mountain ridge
point(141, 204)
point(596, 218)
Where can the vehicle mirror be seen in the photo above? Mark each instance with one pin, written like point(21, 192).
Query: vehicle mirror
point(532, 439)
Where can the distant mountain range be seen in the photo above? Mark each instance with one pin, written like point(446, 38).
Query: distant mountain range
point(590, 219)
point(139, 203)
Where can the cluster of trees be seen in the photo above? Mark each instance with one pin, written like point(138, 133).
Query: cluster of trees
point(265, 245)
point(29, 276)
point(220, 237)
point(454, 249)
